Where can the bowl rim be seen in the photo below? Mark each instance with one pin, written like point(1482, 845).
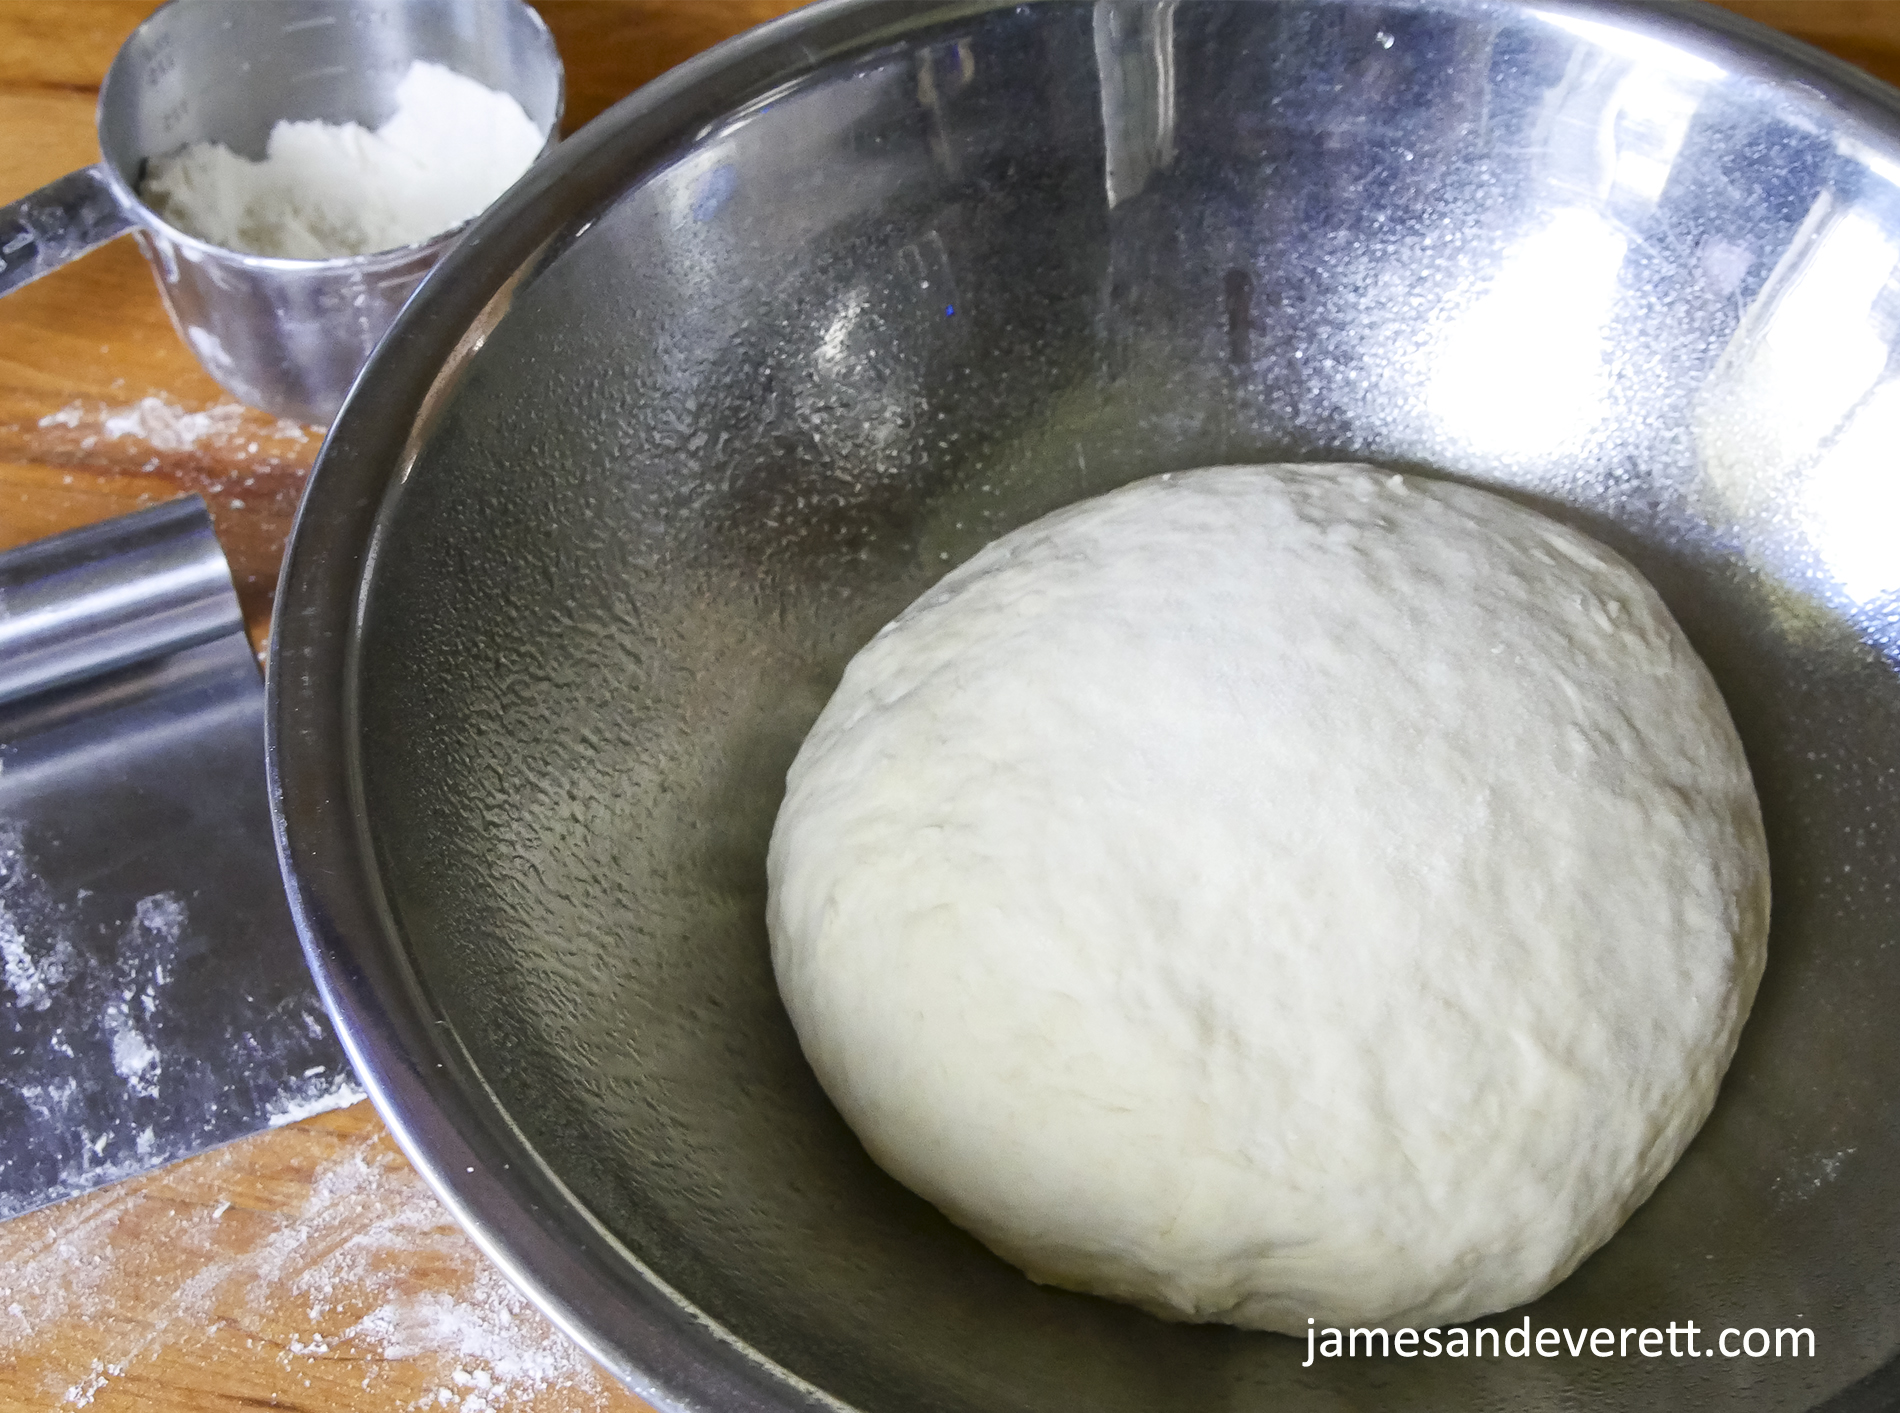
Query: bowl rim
point(425, 1085)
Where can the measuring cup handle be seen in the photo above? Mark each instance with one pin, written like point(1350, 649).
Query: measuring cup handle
point(59, 222)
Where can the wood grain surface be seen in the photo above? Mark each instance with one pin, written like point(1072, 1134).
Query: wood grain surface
point(307, 1267)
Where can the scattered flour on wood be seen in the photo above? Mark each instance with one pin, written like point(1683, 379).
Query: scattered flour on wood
point(170, 427)
point(346, 1271)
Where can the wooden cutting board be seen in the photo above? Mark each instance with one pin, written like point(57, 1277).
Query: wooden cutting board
point(308, 1267)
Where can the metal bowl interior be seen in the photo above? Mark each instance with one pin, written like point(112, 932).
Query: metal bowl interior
point(759, 356)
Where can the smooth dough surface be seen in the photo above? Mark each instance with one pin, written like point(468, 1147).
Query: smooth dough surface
point(1265, 893)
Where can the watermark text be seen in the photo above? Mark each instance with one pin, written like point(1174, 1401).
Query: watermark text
point(1683, 1340)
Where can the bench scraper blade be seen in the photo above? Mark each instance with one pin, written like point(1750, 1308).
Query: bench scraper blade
point(153, 998)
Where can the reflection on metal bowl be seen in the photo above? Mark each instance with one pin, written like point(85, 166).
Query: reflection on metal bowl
point(761, 353)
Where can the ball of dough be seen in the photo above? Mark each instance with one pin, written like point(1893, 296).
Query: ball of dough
point(1277, 892)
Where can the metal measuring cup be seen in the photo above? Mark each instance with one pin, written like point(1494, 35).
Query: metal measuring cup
point(288, 336)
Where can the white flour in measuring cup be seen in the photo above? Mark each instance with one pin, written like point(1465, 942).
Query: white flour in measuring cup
point(326, 190)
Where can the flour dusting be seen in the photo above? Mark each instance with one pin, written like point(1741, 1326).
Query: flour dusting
point(369, 1267)
point(166, 426)
point(32, 979)
point(1809, 1175)
point(374, 1222)
point(32, 972)
point(132, 1054)
point(172, 429)
point(315, 1092)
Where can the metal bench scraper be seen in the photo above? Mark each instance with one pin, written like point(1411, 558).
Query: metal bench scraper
point(153, 998)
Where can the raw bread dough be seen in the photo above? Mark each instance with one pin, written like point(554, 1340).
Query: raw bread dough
point(1266, 893)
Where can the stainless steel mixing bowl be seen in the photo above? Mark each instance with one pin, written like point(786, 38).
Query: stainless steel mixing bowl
point(760, 354)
